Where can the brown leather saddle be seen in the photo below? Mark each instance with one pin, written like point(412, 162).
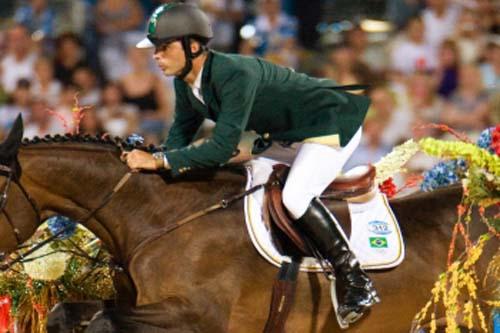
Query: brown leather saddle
point(342, 188)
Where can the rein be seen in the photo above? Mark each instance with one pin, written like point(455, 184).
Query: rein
point(224, 203)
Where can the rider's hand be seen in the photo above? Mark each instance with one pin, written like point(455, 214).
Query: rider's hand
point(138, 159)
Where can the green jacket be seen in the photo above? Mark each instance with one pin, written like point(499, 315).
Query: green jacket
point(245, 93)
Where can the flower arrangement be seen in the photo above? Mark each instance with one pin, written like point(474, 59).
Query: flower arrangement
point(74, 266)
point(477, 168)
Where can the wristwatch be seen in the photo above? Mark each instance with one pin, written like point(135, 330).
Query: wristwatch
point(159, 159)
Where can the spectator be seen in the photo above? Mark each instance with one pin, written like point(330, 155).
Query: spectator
point(45, 85)
point(371, 54)
point(19, 102)
point(276, 34)
point(226, 16)
point(117, 118)
point(38, 17)
point(19, 61)
point(371, 148)
point(69, 56)
point(447, 70)
point(400, 12)
point(119, 23)
point(91, 124)
point(490, 70)
point(489, 12)
point(439, 18)
point(423, 103)
point(86, 81)
point(396, 121)
point(65, 107)
point(469, 37)
point(468, 107)
point(344, 68)
point(145, 90)
point(41, 122)
point(413, 53)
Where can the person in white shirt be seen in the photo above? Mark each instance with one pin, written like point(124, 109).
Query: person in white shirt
point(440, 18)
point(413, 53)
point(19, 61)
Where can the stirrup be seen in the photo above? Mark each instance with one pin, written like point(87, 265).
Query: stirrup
point(353, 316)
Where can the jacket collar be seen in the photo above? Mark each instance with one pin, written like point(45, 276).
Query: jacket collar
point(205, 78)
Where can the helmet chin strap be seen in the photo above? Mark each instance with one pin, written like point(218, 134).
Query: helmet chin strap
point(186, 45)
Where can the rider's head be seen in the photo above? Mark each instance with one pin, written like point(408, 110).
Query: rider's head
point(178, 22)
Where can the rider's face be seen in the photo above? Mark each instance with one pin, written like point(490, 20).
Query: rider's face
point(170, 57)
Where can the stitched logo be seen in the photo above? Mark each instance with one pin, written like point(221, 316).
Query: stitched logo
point(379, 227)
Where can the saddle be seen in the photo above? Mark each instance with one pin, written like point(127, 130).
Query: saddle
point(342, 188)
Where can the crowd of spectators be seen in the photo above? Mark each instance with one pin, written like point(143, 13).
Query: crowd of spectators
point(439, 64)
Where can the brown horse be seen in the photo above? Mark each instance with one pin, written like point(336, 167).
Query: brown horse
point(205, 276)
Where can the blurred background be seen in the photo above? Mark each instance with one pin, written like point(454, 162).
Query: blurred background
point(426, 61)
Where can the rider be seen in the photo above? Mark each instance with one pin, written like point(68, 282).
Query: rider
point(246, 93)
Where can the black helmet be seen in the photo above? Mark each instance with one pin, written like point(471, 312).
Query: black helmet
point(175, 21)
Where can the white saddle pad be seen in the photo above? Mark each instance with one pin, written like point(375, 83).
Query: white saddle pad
point(375, 235)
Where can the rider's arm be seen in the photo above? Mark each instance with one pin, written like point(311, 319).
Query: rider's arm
point(237, 93)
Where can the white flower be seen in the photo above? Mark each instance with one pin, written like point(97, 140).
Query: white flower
point(49, 267)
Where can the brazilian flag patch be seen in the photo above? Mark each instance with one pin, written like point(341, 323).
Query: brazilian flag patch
point(378, 242)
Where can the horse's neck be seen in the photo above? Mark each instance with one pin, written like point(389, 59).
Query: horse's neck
point(72, 183)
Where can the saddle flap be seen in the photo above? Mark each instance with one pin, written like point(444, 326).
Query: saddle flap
point(277, 211)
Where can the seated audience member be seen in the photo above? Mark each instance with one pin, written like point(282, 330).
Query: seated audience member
point(447, 69)
point(275, 36)
point(120, 25)
point(440, 19)
point(18, 102)
point(117, 118)
point(69, 56)
point(490, 69)
point(40, 121)
point(467, 109)
point(469, 37)
point(143, 89)
point(86, 81)
point(19, 60)
point(45, 85)
point(412, 53)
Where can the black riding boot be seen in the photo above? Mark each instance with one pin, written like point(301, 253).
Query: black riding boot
point(318, 226)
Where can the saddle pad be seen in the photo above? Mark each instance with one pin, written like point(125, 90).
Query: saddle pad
point(375, 238)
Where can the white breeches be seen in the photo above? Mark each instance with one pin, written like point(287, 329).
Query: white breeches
point(314, 168)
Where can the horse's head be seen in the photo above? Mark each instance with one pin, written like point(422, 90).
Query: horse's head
point(18, 213)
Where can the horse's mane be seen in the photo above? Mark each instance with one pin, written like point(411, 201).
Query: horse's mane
point(118, 143)
point(104, 140)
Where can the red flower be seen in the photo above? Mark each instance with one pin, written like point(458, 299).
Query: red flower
point(5, 317)
point(388, 187)
point(495, 140)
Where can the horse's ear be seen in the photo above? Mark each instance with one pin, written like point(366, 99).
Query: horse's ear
point(10, 147)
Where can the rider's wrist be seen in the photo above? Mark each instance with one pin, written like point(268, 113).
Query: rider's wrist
point(160, 160)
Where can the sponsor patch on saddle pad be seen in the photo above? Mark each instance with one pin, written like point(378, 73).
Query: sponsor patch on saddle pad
point(375, 235)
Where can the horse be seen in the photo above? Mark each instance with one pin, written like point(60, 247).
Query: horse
point(205, 276)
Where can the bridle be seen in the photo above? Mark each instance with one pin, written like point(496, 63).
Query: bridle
point(9, 172)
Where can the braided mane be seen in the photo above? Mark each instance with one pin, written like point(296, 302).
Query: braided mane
point(117, 142)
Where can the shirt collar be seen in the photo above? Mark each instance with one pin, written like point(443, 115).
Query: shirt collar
point(197, 82)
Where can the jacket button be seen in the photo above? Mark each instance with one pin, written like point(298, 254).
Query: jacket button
point(266, 136)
